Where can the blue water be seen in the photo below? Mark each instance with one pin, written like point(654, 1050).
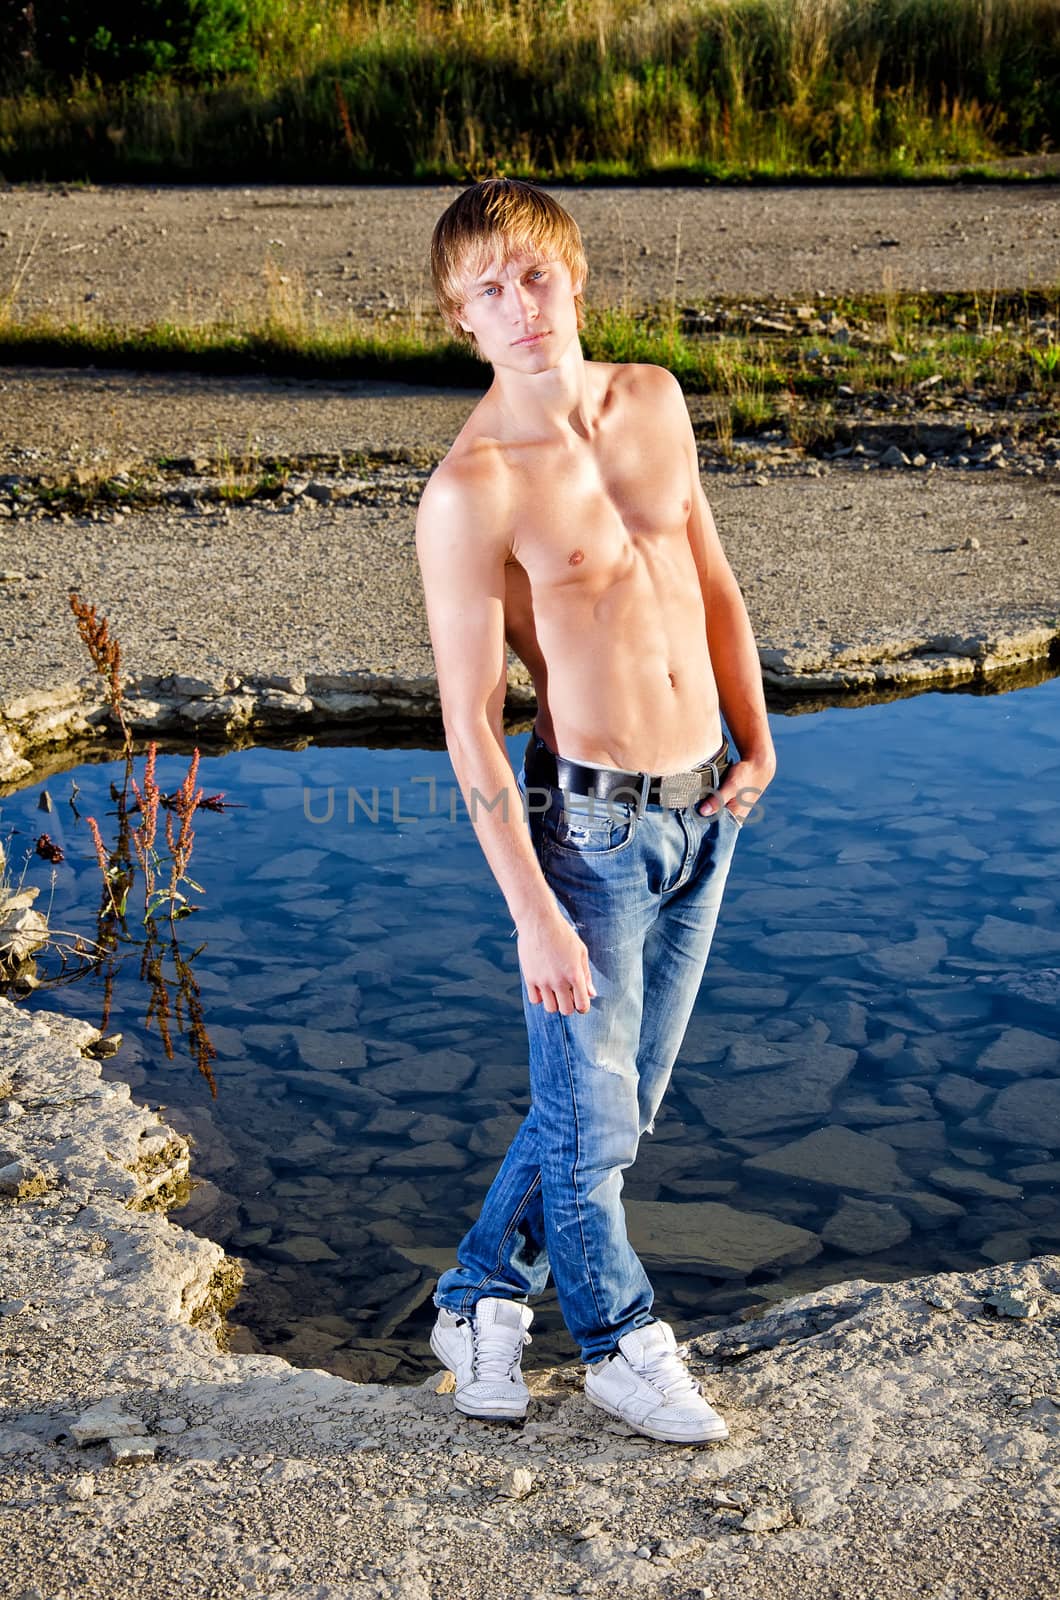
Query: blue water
point(358, 982)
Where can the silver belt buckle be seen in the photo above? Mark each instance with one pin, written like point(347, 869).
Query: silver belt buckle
point(680, 789)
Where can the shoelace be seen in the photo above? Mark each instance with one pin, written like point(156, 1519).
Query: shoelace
point(497, 1350)
point(667, 1373)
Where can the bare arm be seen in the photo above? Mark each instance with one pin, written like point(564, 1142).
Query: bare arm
point(462, 561)
point(730, 639)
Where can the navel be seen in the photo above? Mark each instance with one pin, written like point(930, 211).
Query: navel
point(673, 680)
point(576, 558)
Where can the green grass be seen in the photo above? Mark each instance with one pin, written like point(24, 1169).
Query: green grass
point(569, 90)
point(894, 343)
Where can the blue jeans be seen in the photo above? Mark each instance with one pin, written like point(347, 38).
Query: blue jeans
point(643, 887)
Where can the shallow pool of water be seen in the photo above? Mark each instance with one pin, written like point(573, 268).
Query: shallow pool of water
point(870, 1085)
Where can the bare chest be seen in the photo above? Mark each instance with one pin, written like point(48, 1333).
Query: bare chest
point(586, 519)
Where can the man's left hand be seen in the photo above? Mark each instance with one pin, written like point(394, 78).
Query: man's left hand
point(741, 788)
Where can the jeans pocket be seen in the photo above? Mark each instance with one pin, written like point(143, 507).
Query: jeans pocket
point(576, 828)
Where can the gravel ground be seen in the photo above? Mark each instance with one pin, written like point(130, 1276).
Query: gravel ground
point(136, 255)
point(836, 572)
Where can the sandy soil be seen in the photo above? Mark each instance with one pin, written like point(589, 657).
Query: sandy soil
point(141, 254)
point(839, 565)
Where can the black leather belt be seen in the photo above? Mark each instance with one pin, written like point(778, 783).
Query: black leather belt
point(672, 789)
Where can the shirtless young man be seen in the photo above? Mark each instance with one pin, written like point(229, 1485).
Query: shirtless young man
point(568, 519)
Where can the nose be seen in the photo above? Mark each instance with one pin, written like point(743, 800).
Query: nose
point(524, 305)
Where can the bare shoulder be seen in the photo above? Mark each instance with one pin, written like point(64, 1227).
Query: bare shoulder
point(638, 385)
point(464, 503)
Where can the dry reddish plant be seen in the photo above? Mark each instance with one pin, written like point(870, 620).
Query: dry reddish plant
point(106, 657)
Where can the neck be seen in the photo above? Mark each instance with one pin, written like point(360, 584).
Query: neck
point(543, 404)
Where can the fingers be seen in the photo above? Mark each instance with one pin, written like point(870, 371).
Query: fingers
point(716, 799)
point(739, 797)
point(563, 996)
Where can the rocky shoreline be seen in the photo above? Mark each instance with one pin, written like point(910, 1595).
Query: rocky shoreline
point(885, 1439)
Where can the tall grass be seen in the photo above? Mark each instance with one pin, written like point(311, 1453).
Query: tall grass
point(569, 89)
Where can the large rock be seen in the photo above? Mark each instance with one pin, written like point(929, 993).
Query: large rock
point(836, 1158)
point(968, 1180)
point(1034, 995)
point(429, 1072)
point(1021, 1053)
point(715, 1238)
point(861, 1227)
point(1027, 1113)
point(329, 1052)
point(759, 1102)
point(957, 1093)
point(812, 944)
point(999, 936)
point(911, 959)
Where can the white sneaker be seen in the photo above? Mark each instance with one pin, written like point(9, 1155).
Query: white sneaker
point(646, 1384)
point(483, 1353)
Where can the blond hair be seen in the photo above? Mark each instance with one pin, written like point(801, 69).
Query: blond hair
point(499, 217)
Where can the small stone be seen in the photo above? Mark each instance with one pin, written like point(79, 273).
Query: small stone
point(764, 1519)
point(518, 1484)
point(83, 1487)
point(127, 1451)
point(105, 1421)
point(1013, 1302)
point(22, 1180)
point(893, 457)
point(971, 543)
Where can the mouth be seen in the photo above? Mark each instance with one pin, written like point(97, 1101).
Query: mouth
point(531, 338)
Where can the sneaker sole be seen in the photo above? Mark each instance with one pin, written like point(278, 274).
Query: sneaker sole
point(658, 1433)
point(515, 1415)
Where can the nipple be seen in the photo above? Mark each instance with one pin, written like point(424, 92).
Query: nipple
point(576, 558)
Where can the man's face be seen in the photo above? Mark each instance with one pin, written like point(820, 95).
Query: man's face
point(521, 311)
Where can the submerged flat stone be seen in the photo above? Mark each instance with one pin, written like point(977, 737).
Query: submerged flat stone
point(999, 936)
point(1027, 1112)
point(968, 1180)
point(1021, 1053)
point(715, 1238)
point(428, 1072)
point(836, 1158)
point(760, 1102)
point(812, 944)
point(862, 1227)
